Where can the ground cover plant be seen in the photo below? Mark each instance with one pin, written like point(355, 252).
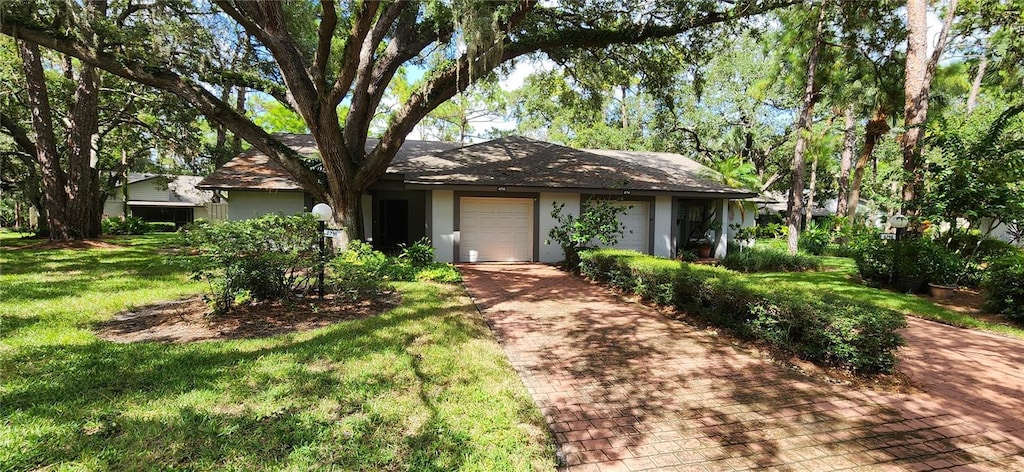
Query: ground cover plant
point(822, 327)
point(423, 386)
point(769, 259)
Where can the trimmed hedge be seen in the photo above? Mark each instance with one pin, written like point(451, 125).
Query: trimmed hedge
point(822, 328)
point(769, 260)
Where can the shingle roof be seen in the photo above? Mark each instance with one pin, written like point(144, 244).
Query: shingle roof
point(254, 170)
point(523, 162)
point(511, 161)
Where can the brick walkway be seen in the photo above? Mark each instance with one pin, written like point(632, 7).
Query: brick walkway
point(624, 388)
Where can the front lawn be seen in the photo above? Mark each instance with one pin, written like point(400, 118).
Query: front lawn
point(421, 387)
point(839, 276)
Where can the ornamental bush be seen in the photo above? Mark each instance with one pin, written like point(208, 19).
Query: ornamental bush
point(130, 225)
point(267, 258)
point(818, 327)
point(1004, 287)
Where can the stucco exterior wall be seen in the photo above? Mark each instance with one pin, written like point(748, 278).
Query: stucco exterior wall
point(245, 204)
point(553, 252)
point(442, 231)
point(664, 246)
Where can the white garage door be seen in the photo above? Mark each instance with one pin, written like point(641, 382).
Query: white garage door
point(496, 229)
point(637, 223)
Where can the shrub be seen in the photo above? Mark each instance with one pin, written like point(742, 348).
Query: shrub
point(420, 254)
point(769, 260)
point(360, 272)
point(162, 227)
point(1004, 287)
point(598, 223)
point(266, 258)
point(815, 239)
point(440, 272)
point(821, 328)
point(129, 225)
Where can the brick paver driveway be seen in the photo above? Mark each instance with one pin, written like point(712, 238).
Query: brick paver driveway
point(624, 388)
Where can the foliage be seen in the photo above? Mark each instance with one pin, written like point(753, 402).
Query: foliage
point(815, 239)
point(769, 260)
point(913, 258)
point(361, 273)
point(874, 260)
point(1004, 286)
point(266, 258)
point(423, 386)
point(419, 255)
point(130, 225)
point(814, 325)
point(977, 167)
point(598, 222)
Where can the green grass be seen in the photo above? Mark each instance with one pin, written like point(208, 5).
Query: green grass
point(839, 276)
point(421, 387)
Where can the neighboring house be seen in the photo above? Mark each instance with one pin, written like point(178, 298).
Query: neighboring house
point(492, 201)
point(773, 202)
point(165, 198)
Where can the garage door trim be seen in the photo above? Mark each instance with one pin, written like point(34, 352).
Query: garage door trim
point(534, 196)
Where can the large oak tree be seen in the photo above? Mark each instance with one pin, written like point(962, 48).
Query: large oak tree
point(332, 63)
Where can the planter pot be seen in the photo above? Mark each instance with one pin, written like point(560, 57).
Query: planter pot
point(704, 252)
point(941, 292)
point(910, 286)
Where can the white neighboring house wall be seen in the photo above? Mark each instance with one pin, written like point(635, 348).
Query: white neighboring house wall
point(551, 251)
point(1002, 231)
point(721, 242)
point(745, 217)
point(245, 204)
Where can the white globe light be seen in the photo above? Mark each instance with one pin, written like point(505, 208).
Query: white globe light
point(322, 211)
point(899, 221)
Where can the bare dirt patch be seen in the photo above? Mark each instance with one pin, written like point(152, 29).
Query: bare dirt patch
point(189, 320)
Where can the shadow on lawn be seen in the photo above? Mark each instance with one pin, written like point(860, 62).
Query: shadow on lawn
point(617, 381)
point(345, 397)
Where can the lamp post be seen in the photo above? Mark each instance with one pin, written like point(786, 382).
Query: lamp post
point(899, 222)
point(322, 212)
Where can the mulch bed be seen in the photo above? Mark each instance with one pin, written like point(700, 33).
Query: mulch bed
point(189, 320)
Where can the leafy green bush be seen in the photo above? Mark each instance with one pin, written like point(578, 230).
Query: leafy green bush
point(440, 272)
point(162, 227)
point(266, 258)
point(769, 260)
point(598, 222)
point(821, 328)
point(874, 260)
point(815, 239)
point(1004, 286)
point(360, 272)
point(130, 225)
point(420, 254)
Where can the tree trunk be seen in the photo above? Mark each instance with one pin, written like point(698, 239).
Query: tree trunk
point(54, 179)
point(972, 99)
point(920, 69)
point(875, 128)
point(846, 160)
point(83, 179)
point(811, 187)
point(803, 129)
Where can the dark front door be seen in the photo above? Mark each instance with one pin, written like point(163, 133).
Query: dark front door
point(394, 224)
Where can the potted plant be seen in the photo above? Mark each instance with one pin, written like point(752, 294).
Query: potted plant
point(703, 246)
